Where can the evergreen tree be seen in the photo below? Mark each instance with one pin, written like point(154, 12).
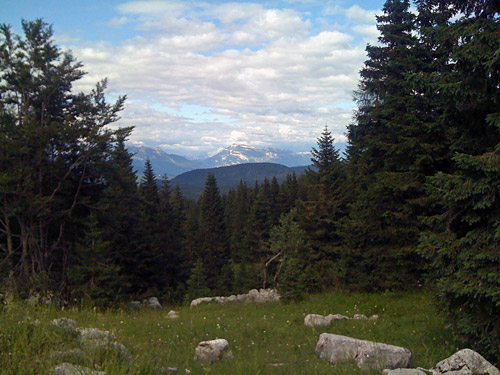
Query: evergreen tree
point(94, 275)
point(213, 249)
point(149, 188)
point(173, 265)
point(291, 256)
point(391, 151)
point(197, 283)
point(462, 241)
point(119, 217)
point(54, 144)
point(325, 206)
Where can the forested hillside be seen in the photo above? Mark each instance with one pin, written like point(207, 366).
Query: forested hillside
point(192, 183)
point(415, 201)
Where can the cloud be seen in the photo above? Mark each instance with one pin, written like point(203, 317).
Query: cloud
point(357, 14)
point(264, 77)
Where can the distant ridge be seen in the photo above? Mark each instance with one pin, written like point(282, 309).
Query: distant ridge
point(162, 163)
point(192, 183)
point(173, 165)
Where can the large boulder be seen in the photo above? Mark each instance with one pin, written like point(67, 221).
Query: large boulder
point(366, 354)
point(465, 362)
point(213, 350)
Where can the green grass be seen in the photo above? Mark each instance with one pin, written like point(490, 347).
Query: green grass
point(259, 335)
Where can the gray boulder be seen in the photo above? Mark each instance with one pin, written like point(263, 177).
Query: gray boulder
point(366, 354)
point(213, 350)
point(70, 369)
point(465, 362)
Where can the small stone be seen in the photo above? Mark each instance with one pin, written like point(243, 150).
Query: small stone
point(66, 324)
point(373, 317)
point(213, 350)
point(359, 317)
point(70, 369)
point(173, 315)
point(87, 334)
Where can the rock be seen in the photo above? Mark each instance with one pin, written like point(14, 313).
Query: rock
point(152, 303)
point(278, 364)
point(373, 317)
point(338, 317)
point(316, 320)
point(214, 350)
point(199, 301)
point(257, 296)
point(66, 324)
point(134, 305)
point(88, 334)
point(93, 339)
point(70, 369)
point(465, 362)
point(241, 297)
point(366, 354)
point(359, 317)
point(404, 371)
point(267, 295)
point(173, 315)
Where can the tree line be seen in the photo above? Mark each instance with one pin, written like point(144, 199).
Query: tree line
point(414, 200)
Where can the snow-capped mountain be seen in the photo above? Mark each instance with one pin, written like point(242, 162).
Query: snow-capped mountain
point(173, 165)
point(239, 154)
point(162, 163)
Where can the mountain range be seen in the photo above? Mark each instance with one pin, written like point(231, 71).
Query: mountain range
point(173, 165)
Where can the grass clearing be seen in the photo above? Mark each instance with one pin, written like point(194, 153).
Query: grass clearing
point(264, 338)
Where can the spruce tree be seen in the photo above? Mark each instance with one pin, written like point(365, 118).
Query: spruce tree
point(392, 148)
point(462, 241)
point(213, 249)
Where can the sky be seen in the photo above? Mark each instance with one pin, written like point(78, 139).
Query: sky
point(202, 75)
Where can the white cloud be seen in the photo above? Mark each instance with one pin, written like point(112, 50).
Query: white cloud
point(358, 14)
point(282, 89)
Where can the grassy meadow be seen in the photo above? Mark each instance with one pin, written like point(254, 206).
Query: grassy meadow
point(264, 338)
